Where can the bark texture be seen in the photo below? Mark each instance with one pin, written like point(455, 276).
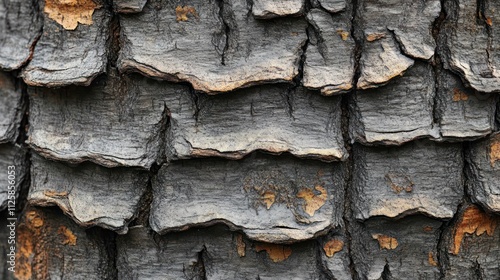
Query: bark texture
point(264, 139)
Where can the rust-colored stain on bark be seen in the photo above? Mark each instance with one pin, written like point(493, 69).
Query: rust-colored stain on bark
point(182, 12)
point(399, 182)
point(24, 254)
point(374, 36)
point(495, 150)
point(473, 220)
point(431, 259)
point(55, 194)
point(69, 13)
point(313, 201)
point(34, 219)
point(428, 228)
point(489, 21)
point(276, 252)
point(459, 95)
point(386, 242)
point(68, 237)
point(240, 245)
point(343, 34)
point(268, 198)
point(333, 246)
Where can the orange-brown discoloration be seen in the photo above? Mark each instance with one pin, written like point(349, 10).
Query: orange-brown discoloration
point(24, 254)
point(276, 252)
point(268, 198)
point(182, 12)
point(68, 237)
point(386, 242)
point(343, 34)
point(55, 194)
point(459, 95)
point(399, 182)
point(313, 201)
point(333, 246)
point(428, 228)
point(374, 36)
point(489, 21)
point(69, 13)
point(34, 219)
point(495, 150)
point(473, 220)
point(240, 245)
point(431, 259)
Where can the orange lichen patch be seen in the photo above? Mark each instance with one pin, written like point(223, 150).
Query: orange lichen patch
point(428, 228)
point(386, 242)
point(313, 201)
point(374, 36)
point(34, 219)
point(431, 260)
point(69, 238)
point(399, 182)
point(333, 246)
point(495, 150)
point(489, 21)
point(473, 220)
point(343, 34)
point(54, 194)
point(276, 252)
point(182, 12)
point(69, 13)
point(240, 245)
point(24, 254)
point(268, 198)
point(459, 95)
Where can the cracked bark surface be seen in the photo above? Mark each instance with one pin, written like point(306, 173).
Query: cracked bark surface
point(11, 108)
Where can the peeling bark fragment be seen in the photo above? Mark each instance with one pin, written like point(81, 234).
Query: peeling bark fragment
point(471, 40)
point(397, 113)
point(329, 62)
point(433, 170)
point(267, 9)
point(11, 109)
point(472, 245)
point(400, 247)
point(91, 195)
point(44, 251)
point(114, 122)
point(14, 156)
point(269, 118)
point(463, 113)
point(405, 28)
point(69, 13)
point(242, 51)
point(129, 6)
point(63, 57)
point(20, 27)
point(335, 254)
point(201, 192)
point(209, 253)
point(483, 172)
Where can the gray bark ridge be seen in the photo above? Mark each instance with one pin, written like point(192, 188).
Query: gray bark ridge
point(12, 108)
point(271, 199)
point(217, 47)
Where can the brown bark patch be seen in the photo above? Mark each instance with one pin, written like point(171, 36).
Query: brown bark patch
point(399, 182)
point(68, 237)
point(374, 36)
point(55, 194)
point(386, 242)
point(459, 95)
point(431, 259)
point(313, 200)
point(495, 150)
point(240, 245)
point(276, 252)
point(268, 198)
point(182, 12)
point(69, 13)
point(343, 34)
point(473, 220)
point(333, 246)
point(428, 228)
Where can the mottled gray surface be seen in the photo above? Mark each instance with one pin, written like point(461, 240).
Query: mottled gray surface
point(397, 113)
point(483, 172)
point(216, 47)
point(267, 9)
point(20, 26)
point(210, 253)
point(129, 6)
point(11, 108)
point(271, 199)
point(11, 155)
point(273, 118)
point(63, 57)
point(329, 58)
point(91, 195)
point(470, 41)
point(332, 6)
point(418, 177)
point(396, 249)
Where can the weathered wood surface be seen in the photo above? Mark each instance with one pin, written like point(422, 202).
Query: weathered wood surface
point(73, 45)
point(267, 9)
point(270, 199)
point(216, 47)
point(20, 27)
point(11, 108)
point(211, 253)
point(470, 42)
point(332, 6)
point(418, 177)
point(11, 155)
point(129, 6)
point(91, 195)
